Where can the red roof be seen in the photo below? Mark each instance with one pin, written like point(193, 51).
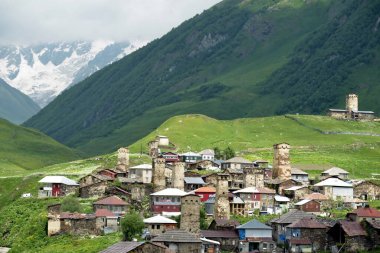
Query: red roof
point(111, 201)
point(367, 212)
point(104, 213)
point(206, 189)
point(352, 228)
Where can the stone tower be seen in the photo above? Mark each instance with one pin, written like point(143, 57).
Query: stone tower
point(123, 159)
point(153, 149)
point(352, 103)
point(281, 161)
point(190, 213)
point(178, 174)
point(222, 205)
point(253, 177)
point(158, 177)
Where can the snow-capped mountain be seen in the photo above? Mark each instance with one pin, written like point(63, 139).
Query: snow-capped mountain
point(43, 71)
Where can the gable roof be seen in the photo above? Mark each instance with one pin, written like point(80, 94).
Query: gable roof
point(205, 189)
point(352, 228)
point(190, 154)
point(295, 188)
point(292, 216)
point(177, 236)
point(169, 192)
point(194, 180)
point(144, 166)
point(333, 182)
point(366, 212)
point(158, 219)
point(306, 223)
point(316, 196)
point(302, 202)
point(296, 171)
point(335, 171)
point(207, 152)
point(111, 201)
point(237, 159)
point(280, 198)
point(57, 180)
point(125, 247)
point(255, 190)
point(374, 223)
point(224, 222)
point(104, 213)
point(254, 224)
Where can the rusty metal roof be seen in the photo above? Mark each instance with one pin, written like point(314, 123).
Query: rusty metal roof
point(352, 228)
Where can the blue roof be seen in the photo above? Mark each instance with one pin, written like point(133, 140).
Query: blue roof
point(254, 224)
point(194, 180)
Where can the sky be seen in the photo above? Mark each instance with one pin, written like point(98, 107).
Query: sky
point(35, 21)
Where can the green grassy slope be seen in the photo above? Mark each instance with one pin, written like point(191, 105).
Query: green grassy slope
point(237, 59)
point(254, 138)
point(25, 149)
point(14, 105)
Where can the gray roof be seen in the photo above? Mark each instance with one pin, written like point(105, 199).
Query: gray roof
point(366, 112)
point(254, 224)
point(194, 180)
point(296, 171)
point(337, 110)
point(177, 236)
point(292, 216)
point(122, 247)
point(237, 160)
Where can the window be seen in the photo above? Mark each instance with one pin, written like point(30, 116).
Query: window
point(158, 226)
point(265, 246)
point(152, 226)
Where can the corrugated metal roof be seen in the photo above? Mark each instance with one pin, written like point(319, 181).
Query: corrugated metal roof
point(335, 171)
point(292, 216)
point(296, 171)
point(158, 219)
point(333, 182)
point(194, 180)
point(254, 224)
point(306, 223)
point(280, 198)
point(122, 247)
point(237, 159)
point(144, 166)
point(57, 180)
point(177, 236)
point(352, 228)
point(316, 196)
point(169, 192)
point(205, 189)
point(112, 201)
point(367, 212)
point(302, 202)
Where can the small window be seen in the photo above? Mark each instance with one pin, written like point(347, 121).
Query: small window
point(158, 226)
point(265, 246)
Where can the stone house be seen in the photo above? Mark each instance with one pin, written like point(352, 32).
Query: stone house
point(367, 190)
point(113, 203)
point(142, 172)
point(255, 236)
point(211, 179)
point(352, 110)
point(179, 241)
point(136, 247)
point(281, 204)
point(237, 163)
point(306, 235)
point(228, 239)
point(208, 154)
point(94, 190)
point(308, 205)
point(279, 185)
point(158, 224)
point(193, 183)
point(300, 176)
point(57, 186)
point(297, 192)
point(78, 224)
point(279, 224)
point(351, 235)
point(204, 165)
point(107, 221)
point(235, 178)
point(167, 200)
point(205, 192)
point(373, 230)
point(223, 224)
point(364, 213)
point(335, 188)
point(335, 172)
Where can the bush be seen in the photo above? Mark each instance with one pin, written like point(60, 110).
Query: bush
point(131, 225)
point(71, 204)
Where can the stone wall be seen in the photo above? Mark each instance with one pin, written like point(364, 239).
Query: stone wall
point(281, 161)
point(222, 204)
point(178, 174)
point(158, 177)
point(190, 213)
point(96, 190)
point(79, 226)
point(123, 159)
point(372, 191)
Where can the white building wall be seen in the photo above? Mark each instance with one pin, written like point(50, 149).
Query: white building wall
point(343, 192)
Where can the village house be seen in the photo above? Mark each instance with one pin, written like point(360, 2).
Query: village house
point(367, 190)
point(113, 203)
point(211, 179)
point(190, 157)
point(167, 200)
point(364, 213)
point(297, 192)
point(349, 234)
point(210, 246)
point(279, 224)
point(256, 198)
point(170, 157)
point(280, 185)
point(136, 247)
point(223, 224)
point(306, 235)
point(193, 183)
point(237, 163)
point(57, 186)
point(142, 171)
point(94, 185)
point(204, 165)
point(373, 229)
point(107, 221)
point(208, 154)
point(228, 239)
point(237, 206)
point(335, 172)
point(300, 176)
point(111, 173)
point(78, 224)
point(205, 192)
point(281, 204)
point(335, 188)
point(235, 178)
point(180, 241)
point(352, 110)
point(308, 205)
point(159, 224)
point(255, 235)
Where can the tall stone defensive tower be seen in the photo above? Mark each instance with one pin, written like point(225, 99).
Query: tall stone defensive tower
point(253, 177)
point(158, 177)
point(190, 213)
point(281, 161)
point(222, 205)
point(178, 174)
point(123, 159)
point(153, 149)
point(352, 103)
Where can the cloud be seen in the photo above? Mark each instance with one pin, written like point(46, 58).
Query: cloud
point(26, 22)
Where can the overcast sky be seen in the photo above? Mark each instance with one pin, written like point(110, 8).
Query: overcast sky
point(33, 21)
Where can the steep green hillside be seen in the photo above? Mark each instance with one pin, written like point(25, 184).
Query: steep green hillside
point(254, 137)
point(15, 106)
point(24, 149)
point(237, 59)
